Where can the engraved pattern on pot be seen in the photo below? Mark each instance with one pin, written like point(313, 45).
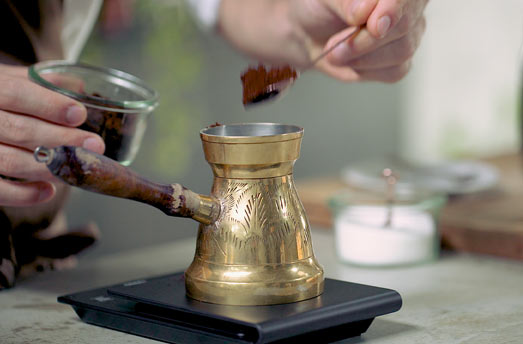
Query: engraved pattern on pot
point(259, 216)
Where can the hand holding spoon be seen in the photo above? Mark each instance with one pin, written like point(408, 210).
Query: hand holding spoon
point(261, 85)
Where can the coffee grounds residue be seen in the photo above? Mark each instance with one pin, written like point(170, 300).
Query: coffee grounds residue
point(257, 81)
point(116, 128)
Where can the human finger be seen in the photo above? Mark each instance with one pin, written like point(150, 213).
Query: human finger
point(342, 73)
point(360, 11)
point(16, 71)
point(389, 13)
point(20, 194)
point(393, 53)
point(19, 163)
point(364, 42)
point(67, 82)
point(349, 74)
point(28, 132)
point(352, 12)
point(23, 96)
point(388, 74)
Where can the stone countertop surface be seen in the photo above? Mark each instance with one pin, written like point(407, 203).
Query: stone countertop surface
point(460, 298)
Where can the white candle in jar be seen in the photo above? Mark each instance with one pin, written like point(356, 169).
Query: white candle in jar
point(362, 237)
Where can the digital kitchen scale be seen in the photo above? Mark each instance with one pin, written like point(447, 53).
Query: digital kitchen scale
point(158, 308)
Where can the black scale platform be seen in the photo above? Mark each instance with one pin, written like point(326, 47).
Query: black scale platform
point(157, 308)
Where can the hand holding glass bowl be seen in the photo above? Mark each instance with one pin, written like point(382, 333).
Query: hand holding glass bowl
point(117, 103)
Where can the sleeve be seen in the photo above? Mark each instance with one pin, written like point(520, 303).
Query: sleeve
point(78, 20)
point(206, 11)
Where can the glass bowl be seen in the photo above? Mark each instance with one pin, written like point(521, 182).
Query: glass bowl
point(117, 103)
point(369, 231)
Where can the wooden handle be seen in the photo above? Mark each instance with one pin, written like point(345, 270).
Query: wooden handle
point(97, 173)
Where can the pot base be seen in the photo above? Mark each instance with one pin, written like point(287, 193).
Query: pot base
point(247, 285)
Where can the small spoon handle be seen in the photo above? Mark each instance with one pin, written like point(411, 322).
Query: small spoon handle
point(391, 179)
point(351, 33)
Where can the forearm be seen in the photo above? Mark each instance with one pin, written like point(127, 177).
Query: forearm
point(263, 30)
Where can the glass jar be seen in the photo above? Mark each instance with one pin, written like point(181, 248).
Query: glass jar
point(370, 231)
point(117, 103)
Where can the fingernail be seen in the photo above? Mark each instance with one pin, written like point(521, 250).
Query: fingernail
point(94, 144)
point(74, 115)
point(341, 53)
point(383, 26)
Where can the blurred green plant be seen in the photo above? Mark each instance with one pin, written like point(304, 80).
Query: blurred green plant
point(161, 47)
point(175, 62)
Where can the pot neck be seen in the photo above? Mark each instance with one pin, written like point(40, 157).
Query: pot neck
point(252, 171)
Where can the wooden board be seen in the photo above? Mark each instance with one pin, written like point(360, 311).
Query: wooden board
point(489, 222)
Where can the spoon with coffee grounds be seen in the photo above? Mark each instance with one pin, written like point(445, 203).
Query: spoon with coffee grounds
point(260, 85)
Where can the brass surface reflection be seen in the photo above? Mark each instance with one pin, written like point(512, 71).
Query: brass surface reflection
point(259, 250)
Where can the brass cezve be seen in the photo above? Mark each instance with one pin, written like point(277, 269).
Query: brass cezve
point(254, 243)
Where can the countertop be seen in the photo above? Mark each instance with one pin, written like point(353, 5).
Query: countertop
point(460, 298)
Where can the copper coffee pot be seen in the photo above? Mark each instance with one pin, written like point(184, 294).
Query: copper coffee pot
point(254, 244)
